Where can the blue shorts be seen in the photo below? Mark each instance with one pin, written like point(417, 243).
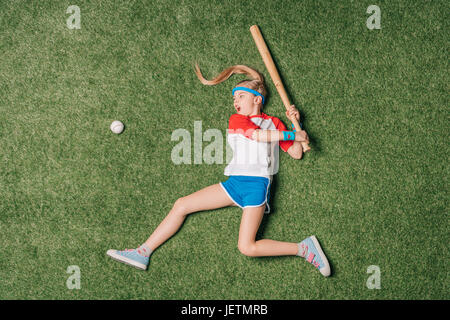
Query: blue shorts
point(247, 191)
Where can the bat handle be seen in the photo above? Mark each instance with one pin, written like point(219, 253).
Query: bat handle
point(297, 127)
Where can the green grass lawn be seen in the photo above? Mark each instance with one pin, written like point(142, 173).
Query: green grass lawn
point(374, 190)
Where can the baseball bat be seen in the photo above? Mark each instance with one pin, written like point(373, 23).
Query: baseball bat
point(270, 65)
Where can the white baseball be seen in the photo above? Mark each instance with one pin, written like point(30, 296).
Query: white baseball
point(117, 126)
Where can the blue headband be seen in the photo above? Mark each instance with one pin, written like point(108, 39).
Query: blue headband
point(256, 93)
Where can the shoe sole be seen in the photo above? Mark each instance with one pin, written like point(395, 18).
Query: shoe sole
point(325, 271)
point(130, 262)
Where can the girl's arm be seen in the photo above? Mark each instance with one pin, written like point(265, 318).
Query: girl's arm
point(295, 151)
point(276, 135)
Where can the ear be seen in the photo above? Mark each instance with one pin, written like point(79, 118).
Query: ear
point(258, 100)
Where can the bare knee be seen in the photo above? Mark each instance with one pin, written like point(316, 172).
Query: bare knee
point(247, 249)
point(180, 207)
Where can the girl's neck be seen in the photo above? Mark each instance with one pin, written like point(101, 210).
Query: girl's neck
point(256, 111)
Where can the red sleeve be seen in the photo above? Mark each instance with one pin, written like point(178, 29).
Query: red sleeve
point(240, 124)
point(284, 145)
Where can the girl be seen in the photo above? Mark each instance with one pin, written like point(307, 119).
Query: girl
point(252, 136)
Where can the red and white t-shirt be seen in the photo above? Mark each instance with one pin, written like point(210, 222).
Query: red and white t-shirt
point(250, 157)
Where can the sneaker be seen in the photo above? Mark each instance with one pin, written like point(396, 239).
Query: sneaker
point(130, 257)
point(313, 254)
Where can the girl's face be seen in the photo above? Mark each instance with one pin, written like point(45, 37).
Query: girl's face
point(246, 103)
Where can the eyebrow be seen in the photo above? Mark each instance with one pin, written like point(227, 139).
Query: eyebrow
point(238, 94)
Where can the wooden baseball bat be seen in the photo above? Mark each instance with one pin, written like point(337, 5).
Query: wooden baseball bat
point(270, 65)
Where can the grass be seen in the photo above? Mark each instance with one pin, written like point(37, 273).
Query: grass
point(373, 190)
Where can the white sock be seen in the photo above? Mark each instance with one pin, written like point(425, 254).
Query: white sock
point(144, 250)
point(302, 248)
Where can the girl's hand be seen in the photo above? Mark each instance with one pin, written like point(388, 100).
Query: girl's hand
point(293, 112)
point(301, 136)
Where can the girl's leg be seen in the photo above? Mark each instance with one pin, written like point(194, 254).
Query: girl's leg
point(208, 198)
point(251, 219)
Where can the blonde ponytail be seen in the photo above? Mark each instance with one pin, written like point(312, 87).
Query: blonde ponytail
point(257, 82)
